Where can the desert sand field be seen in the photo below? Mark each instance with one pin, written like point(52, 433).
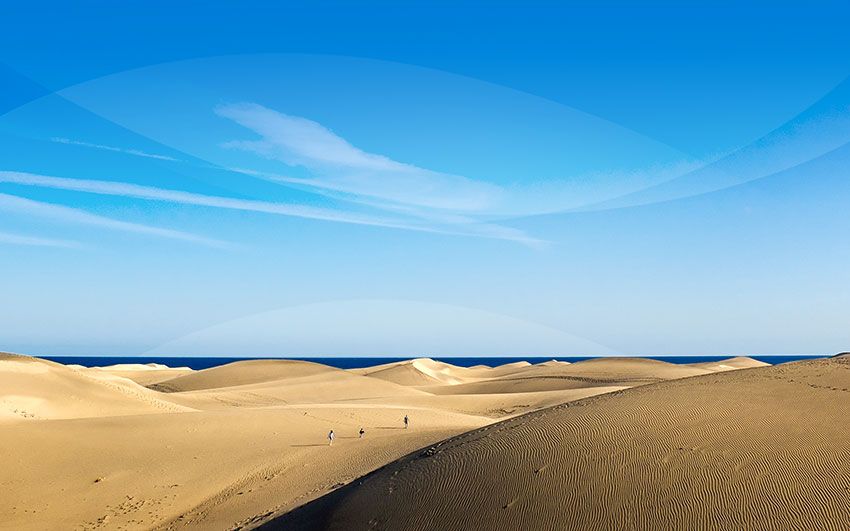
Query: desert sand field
point(613, 443)
point(764, 448)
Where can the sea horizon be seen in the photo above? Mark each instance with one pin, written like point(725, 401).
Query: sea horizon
point(356, 362)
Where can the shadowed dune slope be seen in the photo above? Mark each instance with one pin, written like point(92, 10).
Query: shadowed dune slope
point(762, 448)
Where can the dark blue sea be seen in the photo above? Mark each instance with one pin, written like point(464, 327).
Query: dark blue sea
point(353, 363)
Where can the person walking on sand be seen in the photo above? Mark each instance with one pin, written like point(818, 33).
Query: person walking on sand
point(406, 421)
point(331, 438)
point(361, 432)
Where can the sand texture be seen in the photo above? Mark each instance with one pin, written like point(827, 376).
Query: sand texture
point(762, 448)
point(606, 443)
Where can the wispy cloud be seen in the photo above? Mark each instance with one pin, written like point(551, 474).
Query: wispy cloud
point(128, 151)
point(21, 205)
point(468, 228)
point(20, 239)
point(187, 198)
point(342, 167)
point(430, 220)
point(435, 201)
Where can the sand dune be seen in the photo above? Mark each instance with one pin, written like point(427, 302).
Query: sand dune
point(304, 385)
point(555, 376)
point(415, 372)
point(731, 364)
point(207, 470)
point(235, 446)
point(553, 363)
point(239, 454)
point(242, 373)
point(338, 387)
point(764, 448)
point(507, 368)
point(423, 372)
point(143, 374)
point(32, 388)
point(641, 370)
point(496, 406)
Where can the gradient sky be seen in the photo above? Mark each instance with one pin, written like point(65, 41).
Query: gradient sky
point(430, 179)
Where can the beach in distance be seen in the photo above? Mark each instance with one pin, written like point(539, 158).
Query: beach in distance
point(603, 443)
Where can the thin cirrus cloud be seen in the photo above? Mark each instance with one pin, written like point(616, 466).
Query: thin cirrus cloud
point(444, 203)
point(64, 214)
point(21, 239)
point(437, 221)
point(128, 151)
point(341, 167)
point(177, 196)
point(375, 180)
point(188, 198)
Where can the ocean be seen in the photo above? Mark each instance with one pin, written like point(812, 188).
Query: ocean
point(353, 363)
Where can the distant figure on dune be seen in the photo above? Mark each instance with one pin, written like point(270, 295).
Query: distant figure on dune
point(406, 421)
point(331, 437)
point(361, 432)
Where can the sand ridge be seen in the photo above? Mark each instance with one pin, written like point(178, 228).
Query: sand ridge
point(428, 372)
point(33, 388)
point(238, 445)
point(731, 364)
point(143, 374)
point(555, 376)
point(758, 448)
point(242, 373)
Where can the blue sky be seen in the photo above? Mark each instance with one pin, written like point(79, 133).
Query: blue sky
point(440, 179)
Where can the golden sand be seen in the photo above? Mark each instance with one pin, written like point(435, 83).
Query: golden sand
point(655, 446)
